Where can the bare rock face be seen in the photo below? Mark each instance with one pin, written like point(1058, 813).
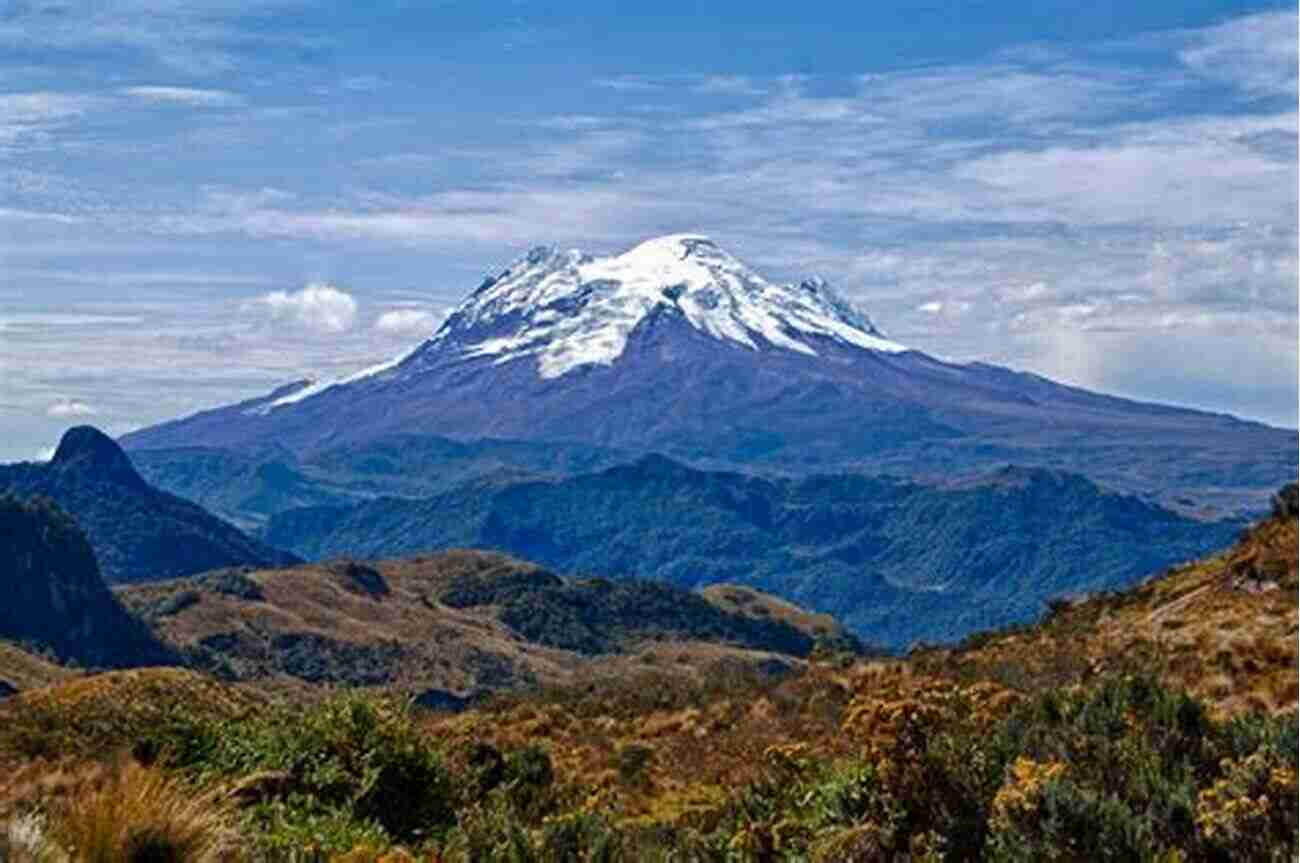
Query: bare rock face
point(87, 451)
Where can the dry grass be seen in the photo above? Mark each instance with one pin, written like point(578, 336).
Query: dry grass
point(25, 670)
point(659, 747)
point(23, 839)
point(112, 812)
point(90, 716)
point(418, 642)
point(652, 738)
point(1223, 628)
point(135, 814)
point(757, 604)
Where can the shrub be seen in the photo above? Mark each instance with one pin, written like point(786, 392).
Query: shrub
point(528, 780)
point(363, 758)
point(633, 762)
point(295, 831)
point(1286, 503)
point(1250, 813)
point(1045, 816)
point(578, 837)
point(231, 582)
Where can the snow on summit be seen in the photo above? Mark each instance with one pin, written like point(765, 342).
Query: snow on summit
point(570, 309)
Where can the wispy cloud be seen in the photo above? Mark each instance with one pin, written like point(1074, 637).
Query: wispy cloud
point(717, 85)
point(1256, 52)
point(1119, 215)
point(187, 96)
point(30, 118)
point(364, 83)
point(197, 37)
point(15, 214)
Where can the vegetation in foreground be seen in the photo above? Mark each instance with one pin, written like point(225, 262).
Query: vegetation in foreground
point(916, 768)
point(1075, 740)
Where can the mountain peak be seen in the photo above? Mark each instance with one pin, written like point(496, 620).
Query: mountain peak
point(568, 309)
point(678, 244)
point(89, 450)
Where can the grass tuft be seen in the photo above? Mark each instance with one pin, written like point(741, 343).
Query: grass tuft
point(137, 814)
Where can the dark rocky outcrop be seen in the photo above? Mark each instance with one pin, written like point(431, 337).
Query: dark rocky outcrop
point(54, 596)
point(138, 533)
point(442, 700)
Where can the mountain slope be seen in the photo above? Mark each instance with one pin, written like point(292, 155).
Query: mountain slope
point(137, 532)
point(1222, 627)
point(677, 347)
point(54, 597)
point(456, 623)
point(894, 561)
point(1062, 740)
point(21, 668)
point(248, 488)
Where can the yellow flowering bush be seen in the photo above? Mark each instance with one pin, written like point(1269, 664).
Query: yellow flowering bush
point(1019, 796)
point(1251, 809)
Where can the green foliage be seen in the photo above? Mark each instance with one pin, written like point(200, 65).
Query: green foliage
point(528, 780)
point(598, 615)
point(1126, 770)
point(495, 834)
point(295, 830)
point(231, 581)
point(1122, 769)
point(1075, 823)
point(350, 759)
point(870, 551)
point(633, 761)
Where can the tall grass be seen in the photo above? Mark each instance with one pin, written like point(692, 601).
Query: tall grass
point(137, 814)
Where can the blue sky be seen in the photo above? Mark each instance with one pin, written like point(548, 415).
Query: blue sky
point(199, 200)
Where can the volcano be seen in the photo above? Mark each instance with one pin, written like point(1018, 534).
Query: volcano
point(677, 347)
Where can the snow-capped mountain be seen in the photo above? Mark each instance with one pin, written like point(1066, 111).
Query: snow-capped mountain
point(569, 309)
point(676, 346)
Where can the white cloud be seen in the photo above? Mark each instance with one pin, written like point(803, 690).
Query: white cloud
point(718, 85)
point(318, 307)
point(975, 210)
point(43, 106)
point(188, 96)
point(194, 36)
point(35, 216)
point(364, 83)
point(65, 408)
point(1194, 172)
point(29, 119)
point(407, 322)
point(632, 83)
point(1256, 52)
